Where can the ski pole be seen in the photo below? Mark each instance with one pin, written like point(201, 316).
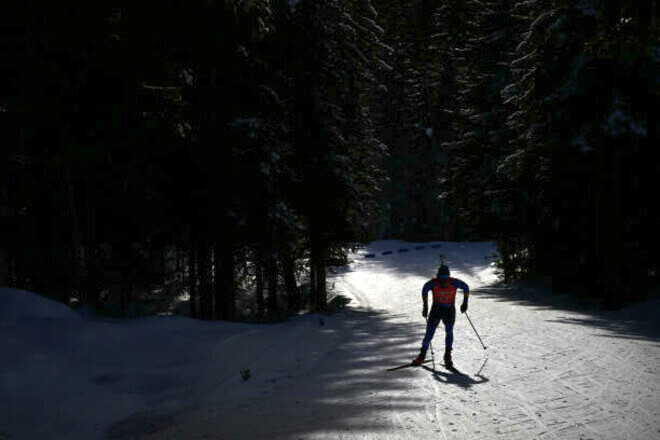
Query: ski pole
point(475, 330)
point(430, 344)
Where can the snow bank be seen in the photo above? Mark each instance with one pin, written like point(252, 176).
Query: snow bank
point(18, 304)
point(65, 376)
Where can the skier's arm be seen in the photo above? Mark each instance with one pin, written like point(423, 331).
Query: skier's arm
point(461, 285)
point(466, 293)
point(425, 291)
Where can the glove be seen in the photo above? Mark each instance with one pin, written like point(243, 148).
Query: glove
point(464, 307)
point(425, 310)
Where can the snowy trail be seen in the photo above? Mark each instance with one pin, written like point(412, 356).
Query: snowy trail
point(553, 370)
point(550, 373)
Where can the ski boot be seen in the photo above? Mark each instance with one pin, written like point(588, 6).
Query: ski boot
point(448, 361)
point(419, 359)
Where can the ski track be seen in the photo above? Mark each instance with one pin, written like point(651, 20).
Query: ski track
point(545, 377)
point(547, 374)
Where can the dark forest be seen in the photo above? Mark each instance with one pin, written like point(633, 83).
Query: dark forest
point(229, 152)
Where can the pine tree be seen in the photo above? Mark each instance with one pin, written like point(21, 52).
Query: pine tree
point(478, 122)
point(333, 137)
point(415, 115)
point(577, 123)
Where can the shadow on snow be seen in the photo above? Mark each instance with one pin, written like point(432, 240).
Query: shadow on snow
point(635, 322)
point(459, 379)
point(345, 389)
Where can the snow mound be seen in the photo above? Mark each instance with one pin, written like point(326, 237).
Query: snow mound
point(18, 304)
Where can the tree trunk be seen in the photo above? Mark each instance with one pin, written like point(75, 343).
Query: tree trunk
point(271, 273)
point(610, 226)
point(289, 274)
point(203, 275)
point(192, 283)
point(75, 236)
point(43, 214)
point(4, 269)
point(259, 275)
point(91, 262)
point(225, 293)
point(318, 294)
point(126, 275)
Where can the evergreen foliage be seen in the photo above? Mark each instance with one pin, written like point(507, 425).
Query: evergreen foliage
point(585, 84)
point(201, 150)
point(478, 122)
point(414, 116)
point(197, 147)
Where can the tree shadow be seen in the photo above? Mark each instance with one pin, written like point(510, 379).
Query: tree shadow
point(346, 389)
point(635, 322)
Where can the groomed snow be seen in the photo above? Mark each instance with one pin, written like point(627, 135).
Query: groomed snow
point(552, 370)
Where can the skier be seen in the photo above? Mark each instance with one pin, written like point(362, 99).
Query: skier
point(444, 293)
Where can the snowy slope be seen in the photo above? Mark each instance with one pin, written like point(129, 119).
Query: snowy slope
point(552, 370)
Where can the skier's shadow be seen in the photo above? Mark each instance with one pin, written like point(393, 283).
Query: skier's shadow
point(455, 377)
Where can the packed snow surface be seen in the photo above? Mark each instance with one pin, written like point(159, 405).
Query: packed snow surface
point(553, 369)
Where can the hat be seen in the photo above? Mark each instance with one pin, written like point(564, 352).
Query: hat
point(443, 271)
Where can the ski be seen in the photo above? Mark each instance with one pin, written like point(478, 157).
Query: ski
point(407, 365)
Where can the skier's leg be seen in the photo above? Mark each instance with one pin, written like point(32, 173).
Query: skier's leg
point(431, 325)
point(449, 318)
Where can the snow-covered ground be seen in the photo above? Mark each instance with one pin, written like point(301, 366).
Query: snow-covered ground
point(553, 368)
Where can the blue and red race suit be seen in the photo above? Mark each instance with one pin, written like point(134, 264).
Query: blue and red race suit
point(444, 290)
point(444, 296)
